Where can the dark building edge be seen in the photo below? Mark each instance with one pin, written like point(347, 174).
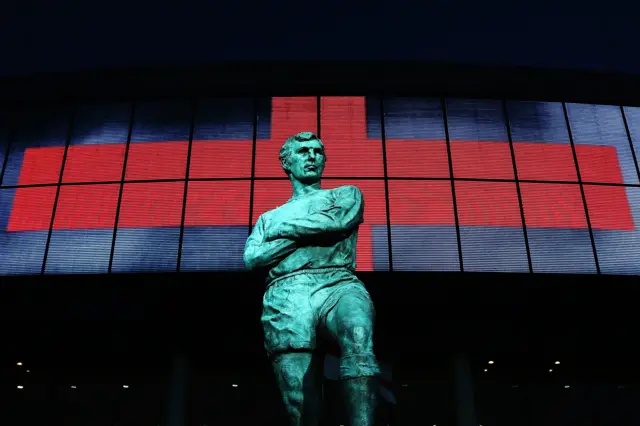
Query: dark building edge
point(327, 78)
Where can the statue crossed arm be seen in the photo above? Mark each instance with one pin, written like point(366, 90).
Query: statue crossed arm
point(272, 242)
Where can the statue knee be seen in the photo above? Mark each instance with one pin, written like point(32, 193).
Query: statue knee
point(356, 337)
point(357, 358)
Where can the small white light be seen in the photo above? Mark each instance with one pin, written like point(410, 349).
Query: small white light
point(234, 385)
point(73, 386)
point(486, 369)
point(19, 364)
point(20, 387)
point(490, 362)
point(566, 386)
point(125, 386)
point(557, 362)
point(551, 370)
point(28, 371)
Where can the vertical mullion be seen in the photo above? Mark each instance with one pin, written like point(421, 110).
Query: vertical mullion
point(194, 106)
point(443, 107)
point(254, 122)
point(633, 152)
point(120, 191)
point(386, 182)
point(584, 198)
point(517, 181)
point(58, 186)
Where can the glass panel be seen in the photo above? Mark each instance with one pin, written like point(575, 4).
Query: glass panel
point(83, 229)
point(25, 217)
point(601, 143)
point(215, 226)
point(159, 141)
point(614, 212)
point(98, 142)
point(222, 139)
point(491, 227)
point(557, 228)
point(423, 233)
point(541, 141)
point(479, 140)
point(351, 150)
point(415, 138)
point(149, 227)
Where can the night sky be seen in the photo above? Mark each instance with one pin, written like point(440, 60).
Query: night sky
point(64, 35)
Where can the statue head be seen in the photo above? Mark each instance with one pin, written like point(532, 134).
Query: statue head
point(302, 157)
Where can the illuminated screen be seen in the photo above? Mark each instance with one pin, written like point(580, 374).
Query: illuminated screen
point(473, 185)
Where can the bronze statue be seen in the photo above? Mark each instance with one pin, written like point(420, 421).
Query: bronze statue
point(308, 248)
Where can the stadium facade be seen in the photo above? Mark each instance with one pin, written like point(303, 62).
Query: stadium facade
point(125, 199)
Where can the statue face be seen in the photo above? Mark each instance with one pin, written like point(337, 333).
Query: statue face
point(307, 161)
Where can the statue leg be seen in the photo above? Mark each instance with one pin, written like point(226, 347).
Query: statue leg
point(289, 324)
point(299, 376)
point(350, 323)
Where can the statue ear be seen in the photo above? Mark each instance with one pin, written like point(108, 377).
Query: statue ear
point(285, 164)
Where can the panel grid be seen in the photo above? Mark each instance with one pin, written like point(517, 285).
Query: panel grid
point(545, 210)
point(584, 200)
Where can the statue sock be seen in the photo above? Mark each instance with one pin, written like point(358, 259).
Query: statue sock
point(361, 394)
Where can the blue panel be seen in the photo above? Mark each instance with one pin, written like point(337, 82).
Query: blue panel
point(146, 250)
point(488, 249)
point(213, 248)
point(101, 123)
point(476, 120)
point(161, 122)
point(21, 253)
point(561, 251)
point(225, 119)
point(537, 122)
point(380, 247)
point(84, 251)
point(41, 127)
point(603, 125)
point(412, 118)
point(424, 248)
point(618, 252)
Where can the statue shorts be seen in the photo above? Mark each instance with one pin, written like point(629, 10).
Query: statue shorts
point(295, 310)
